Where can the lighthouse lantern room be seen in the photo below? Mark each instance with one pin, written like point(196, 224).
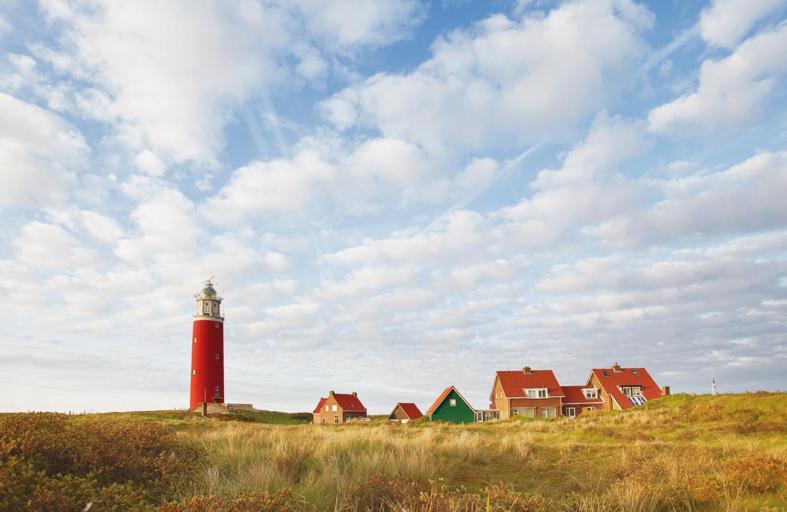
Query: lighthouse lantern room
point(207, 349)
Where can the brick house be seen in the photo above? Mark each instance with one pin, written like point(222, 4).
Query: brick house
point(526, 392)
point(580, 400)
point(338, 408)
point(404, 412)
point(622, 388)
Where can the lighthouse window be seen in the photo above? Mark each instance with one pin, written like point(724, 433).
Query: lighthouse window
point(216, 388)
point(193, 372)
point(217, 355)
point(195, 340)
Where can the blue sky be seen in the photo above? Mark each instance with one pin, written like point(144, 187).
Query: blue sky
point(393, 196)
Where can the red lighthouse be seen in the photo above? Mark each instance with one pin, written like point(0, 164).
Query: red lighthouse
point(207, 349)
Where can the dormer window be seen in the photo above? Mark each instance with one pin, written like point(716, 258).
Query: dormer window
point(590, 392)
point(631, 390)
point(537, 393)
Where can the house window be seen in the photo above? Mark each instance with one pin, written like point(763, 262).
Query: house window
point(327, 407)
point(590, 393)
point(606, 373)
point(631, 390)
point(452, 402)
point(537, 393)
point(633, 372)
point(336, 419)
point(525, 412)
point(571, 412)
point(548, 412)
point(333, 408)
point(588, 409)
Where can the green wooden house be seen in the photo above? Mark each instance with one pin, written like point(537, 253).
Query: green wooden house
point(451, 406)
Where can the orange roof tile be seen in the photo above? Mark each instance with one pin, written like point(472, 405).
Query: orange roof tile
point(514, 382)
point(611, 380)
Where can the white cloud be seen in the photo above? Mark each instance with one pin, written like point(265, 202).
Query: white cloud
point(347, 23)
point(170, 72)
point(101, 227)
point(725, 22)
point(746, 197)
point(38, 152)
point(322, 175)
point(587, 189)
point(503, 82)
point(732, 90)
point(149, 163)
point(50, 246)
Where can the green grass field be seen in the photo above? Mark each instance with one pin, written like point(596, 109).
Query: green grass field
point(726, 452)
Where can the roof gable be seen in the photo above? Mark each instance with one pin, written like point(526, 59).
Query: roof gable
point(409, 409)
point(443, 396)
point(319, 405)
point(610, 380)
point(514, 382)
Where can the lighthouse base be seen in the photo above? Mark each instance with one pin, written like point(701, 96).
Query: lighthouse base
point(216, 408)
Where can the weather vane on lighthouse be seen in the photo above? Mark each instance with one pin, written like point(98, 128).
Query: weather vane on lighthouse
point(207, 349)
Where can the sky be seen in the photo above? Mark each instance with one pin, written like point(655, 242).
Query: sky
point(393, 196)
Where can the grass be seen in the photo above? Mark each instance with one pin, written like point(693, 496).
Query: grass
point(726, 452)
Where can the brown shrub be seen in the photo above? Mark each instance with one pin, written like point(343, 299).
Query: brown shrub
point(56, 462)
point(757, 473)
point(281, 501)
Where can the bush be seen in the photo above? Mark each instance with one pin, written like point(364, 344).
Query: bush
point(60, 463)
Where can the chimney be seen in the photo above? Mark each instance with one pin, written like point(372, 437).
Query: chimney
point(330, 393)
point(526, 369)
point(665, 391)
point(355, 394)
point(616, 368)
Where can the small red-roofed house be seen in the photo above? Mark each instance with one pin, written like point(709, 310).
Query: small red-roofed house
point(404, 412)
point(526, 392)
point(338, 408)
point(581, 400)
point(622, 388)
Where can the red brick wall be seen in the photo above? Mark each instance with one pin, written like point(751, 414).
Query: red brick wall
point(538, 404)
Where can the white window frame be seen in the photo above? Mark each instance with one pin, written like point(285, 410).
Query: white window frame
point(571, 412)
point(536, 393)
point(334, 408)
point(545, 413)
point(631, 390)
point(452, 402)
point(327, 407)
point(335, 420)
point(590, 392)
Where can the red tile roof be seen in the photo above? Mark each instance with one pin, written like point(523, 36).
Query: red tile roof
point(410, 410)
point(627, 377)
point(347, 401)
point(574, 395)
point(442, 396)
point(514, 382)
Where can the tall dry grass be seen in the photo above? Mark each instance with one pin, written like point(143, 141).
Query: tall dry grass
point(683, 454)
